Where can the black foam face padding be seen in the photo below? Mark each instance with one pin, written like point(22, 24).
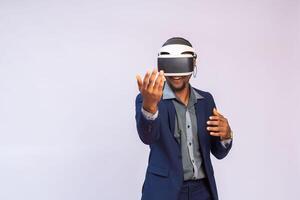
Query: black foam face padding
point(176, 65)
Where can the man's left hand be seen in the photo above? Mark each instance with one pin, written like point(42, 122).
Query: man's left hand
point(218, 126)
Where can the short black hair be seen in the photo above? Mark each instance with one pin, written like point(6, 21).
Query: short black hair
point(177, 40)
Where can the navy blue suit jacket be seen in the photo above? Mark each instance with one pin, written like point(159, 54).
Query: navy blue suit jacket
point(164, 175)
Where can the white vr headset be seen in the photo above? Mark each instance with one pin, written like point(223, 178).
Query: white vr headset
point(177, 60)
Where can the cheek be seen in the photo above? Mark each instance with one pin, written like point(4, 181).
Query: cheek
point(186, 80)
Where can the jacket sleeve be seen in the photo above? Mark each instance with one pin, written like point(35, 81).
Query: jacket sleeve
point(148, 130)
point(217, 148)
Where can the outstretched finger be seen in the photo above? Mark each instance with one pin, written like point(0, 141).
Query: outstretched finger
point(146, 80)
point(152, 79)
point(215, 128)
point(161, 85)
point(159, 81)
point(215, 117)
point(213, 123)
point(139, 82)
point(214, 133)
point(162, 82)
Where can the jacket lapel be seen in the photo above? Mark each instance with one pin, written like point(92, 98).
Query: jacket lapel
point(171, 117)
point(201, 123)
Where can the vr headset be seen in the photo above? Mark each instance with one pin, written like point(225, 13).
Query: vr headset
point(176, 60)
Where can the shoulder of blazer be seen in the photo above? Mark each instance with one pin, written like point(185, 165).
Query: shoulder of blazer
point(208, 96)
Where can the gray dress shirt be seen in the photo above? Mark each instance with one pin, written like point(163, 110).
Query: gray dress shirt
point(186, 133)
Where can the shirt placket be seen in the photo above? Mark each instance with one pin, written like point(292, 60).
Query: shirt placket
point(190, 144)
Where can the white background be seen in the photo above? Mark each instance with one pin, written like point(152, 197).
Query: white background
point(67, 91)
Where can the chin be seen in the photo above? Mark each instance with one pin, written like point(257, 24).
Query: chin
point(177, 88)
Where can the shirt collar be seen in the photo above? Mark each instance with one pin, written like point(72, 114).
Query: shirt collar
point(169, 94)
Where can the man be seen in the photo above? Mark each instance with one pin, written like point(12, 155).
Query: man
point(182, 127)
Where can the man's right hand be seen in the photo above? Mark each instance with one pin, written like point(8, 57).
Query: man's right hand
point(151, 88)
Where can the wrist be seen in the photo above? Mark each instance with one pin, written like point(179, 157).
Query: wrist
point(150, 108)
point(228, 136)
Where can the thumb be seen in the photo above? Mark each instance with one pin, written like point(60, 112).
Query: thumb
point(215, 112)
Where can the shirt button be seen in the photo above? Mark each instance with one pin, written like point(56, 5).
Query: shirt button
point(193, 161)
point(190, 143)
point(188, 126)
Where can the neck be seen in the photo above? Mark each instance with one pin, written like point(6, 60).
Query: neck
point(184, 95)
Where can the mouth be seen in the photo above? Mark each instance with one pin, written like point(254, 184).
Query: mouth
point(176, 78)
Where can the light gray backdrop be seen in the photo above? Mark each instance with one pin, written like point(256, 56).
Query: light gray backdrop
point(67, 91)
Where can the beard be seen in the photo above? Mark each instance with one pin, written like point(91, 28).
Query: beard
point(178, 88)
point(179, 83)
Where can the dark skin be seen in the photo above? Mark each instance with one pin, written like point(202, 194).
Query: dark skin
point(151, 88)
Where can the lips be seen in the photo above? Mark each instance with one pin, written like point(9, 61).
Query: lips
point(176, 78)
